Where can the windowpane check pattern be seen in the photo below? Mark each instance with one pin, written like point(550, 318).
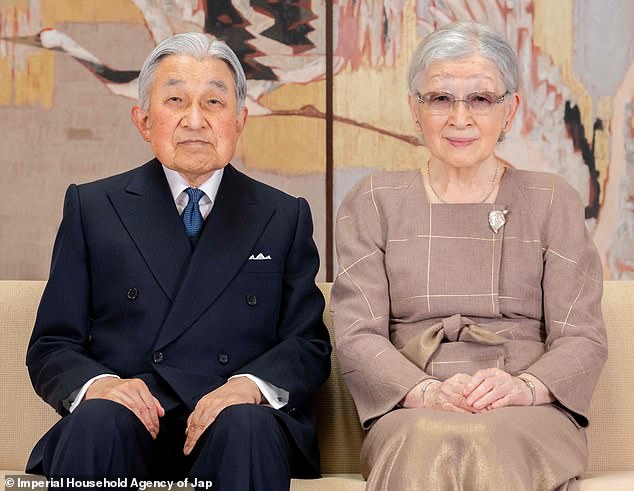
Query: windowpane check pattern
point(406, 265)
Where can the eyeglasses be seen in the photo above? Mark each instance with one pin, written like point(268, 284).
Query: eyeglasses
point(478, 103)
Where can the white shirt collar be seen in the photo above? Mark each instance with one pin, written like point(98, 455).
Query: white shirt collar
point(178, 183)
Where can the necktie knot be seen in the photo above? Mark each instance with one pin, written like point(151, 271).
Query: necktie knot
point(194, 194)
point(192, 218)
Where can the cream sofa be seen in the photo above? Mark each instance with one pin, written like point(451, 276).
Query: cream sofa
point(611, 435)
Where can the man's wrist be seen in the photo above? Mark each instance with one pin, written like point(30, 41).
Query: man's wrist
point(275, 396)
point(80, 395)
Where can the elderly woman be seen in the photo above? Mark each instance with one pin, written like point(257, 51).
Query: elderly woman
point(467, 304)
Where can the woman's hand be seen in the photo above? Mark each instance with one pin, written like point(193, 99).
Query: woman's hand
point(449, 395)
point(485, 390)
point(445, 396)
point(493, 388)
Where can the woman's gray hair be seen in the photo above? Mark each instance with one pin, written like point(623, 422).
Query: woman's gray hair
point(198, 46)
point(461, 40)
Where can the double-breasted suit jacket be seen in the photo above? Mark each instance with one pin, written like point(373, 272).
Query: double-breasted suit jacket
point(128, 295)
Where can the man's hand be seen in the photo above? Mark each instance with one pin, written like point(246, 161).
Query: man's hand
point(133, 394)
point(239, 390)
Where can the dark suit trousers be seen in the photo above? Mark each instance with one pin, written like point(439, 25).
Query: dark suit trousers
point(245, 448)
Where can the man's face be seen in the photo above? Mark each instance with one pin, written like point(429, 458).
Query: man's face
point(192, 122)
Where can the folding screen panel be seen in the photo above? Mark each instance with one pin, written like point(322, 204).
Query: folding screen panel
point(327, 101)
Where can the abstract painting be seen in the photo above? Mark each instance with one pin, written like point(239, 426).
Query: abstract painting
point(326, 99)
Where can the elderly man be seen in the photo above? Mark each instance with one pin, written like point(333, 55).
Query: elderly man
point(180, 331)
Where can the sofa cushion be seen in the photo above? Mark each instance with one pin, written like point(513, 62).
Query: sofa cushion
point(611, 430)
point(25, 418)
point(338, 427)
point(607, 481)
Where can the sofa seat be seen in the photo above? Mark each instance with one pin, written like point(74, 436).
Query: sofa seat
point(25, 418)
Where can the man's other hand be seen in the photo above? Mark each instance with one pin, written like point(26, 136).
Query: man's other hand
point(239, 390)
point(133, 394)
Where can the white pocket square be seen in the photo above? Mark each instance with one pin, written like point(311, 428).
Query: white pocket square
point(259, 257)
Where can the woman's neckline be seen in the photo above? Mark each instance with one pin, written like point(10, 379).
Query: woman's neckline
point(501, 191)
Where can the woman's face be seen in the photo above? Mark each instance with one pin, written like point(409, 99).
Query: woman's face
point(457, 136)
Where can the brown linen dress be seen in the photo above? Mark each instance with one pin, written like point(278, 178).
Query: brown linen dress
point(429, 290)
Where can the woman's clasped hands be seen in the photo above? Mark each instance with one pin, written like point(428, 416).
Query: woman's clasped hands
point(485, 390)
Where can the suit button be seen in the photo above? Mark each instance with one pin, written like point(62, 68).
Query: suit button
point(223, 358)
point(157, 357)
point(133, 293)
point(252, 300)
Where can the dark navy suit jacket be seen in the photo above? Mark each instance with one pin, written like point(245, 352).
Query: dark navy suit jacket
point(127, 295)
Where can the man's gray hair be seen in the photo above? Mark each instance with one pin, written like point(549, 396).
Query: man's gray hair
point(460, 40)
point(198, 46)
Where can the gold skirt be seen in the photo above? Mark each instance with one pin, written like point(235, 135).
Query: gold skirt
point(511, 448)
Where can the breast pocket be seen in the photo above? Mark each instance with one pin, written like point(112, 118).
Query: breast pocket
point(262, 266)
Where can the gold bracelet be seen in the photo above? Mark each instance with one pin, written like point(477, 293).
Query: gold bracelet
point(531, 387)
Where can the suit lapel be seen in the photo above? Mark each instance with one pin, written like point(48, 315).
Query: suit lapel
point(146, 208)
point(231, 230)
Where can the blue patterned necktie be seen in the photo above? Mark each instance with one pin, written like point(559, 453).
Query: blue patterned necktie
point(192, 218)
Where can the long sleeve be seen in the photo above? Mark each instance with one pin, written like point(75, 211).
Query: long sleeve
point(58, 357)
point(300, 362)
point(576, 342)
point(377, 374)
point(128, 296)
point(406, 265)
